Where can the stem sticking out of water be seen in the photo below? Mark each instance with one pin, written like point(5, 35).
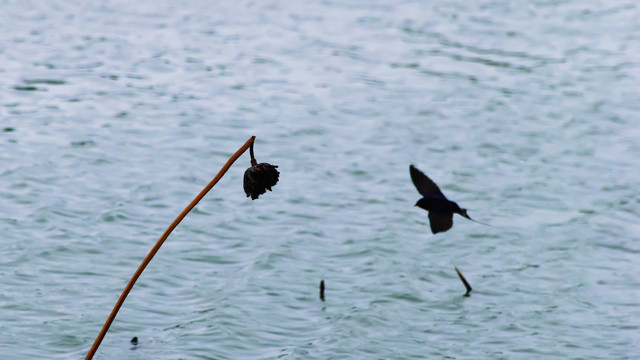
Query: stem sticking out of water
point(322, 290)
point(464, 281)
point(160, 241)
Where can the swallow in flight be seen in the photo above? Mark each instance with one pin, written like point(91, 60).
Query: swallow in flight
point(433, 200)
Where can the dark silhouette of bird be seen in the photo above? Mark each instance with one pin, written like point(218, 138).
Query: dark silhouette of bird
point(440, 208)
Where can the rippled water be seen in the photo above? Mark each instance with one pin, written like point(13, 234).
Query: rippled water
point(114, 115)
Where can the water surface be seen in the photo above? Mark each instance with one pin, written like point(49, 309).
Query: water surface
point(114, 115)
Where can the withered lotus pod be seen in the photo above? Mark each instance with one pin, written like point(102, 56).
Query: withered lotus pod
point(259, 178)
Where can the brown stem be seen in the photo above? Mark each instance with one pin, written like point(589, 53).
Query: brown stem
point(464, 281)
point(253, 158)
point(159, 243)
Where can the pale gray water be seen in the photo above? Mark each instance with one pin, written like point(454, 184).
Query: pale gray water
point(114, 115)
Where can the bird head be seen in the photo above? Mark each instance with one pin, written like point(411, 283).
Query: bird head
point(423, 204)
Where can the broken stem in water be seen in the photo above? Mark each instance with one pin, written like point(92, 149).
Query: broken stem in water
point(160, 241)
point(464, 281)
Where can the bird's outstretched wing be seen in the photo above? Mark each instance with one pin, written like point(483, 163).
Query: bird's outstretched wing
point(424, 185)
point(440, 222)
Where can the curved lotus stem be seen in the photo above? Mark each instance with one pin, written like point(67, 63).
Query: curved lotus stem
point(159, 243)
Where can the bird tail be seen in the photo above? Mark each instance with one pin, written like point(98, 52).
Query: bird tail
point(475, 221)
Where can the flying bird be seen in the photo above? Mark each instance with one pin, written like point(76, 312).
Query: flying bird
point(433, 200)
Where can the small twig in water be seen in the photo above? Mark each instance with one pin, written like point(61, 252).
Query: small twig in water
point(464, 281)
point(322, 290)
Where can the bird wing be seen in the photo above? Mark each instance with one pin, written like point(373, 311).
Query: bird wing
point(440, 222)
point(422, 182)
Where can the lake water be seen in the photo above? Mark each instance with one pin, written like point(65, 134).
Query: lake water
point(115, 114)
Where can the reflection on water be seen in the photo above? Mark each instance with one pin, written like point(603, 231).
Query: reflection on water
point(114, 115)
